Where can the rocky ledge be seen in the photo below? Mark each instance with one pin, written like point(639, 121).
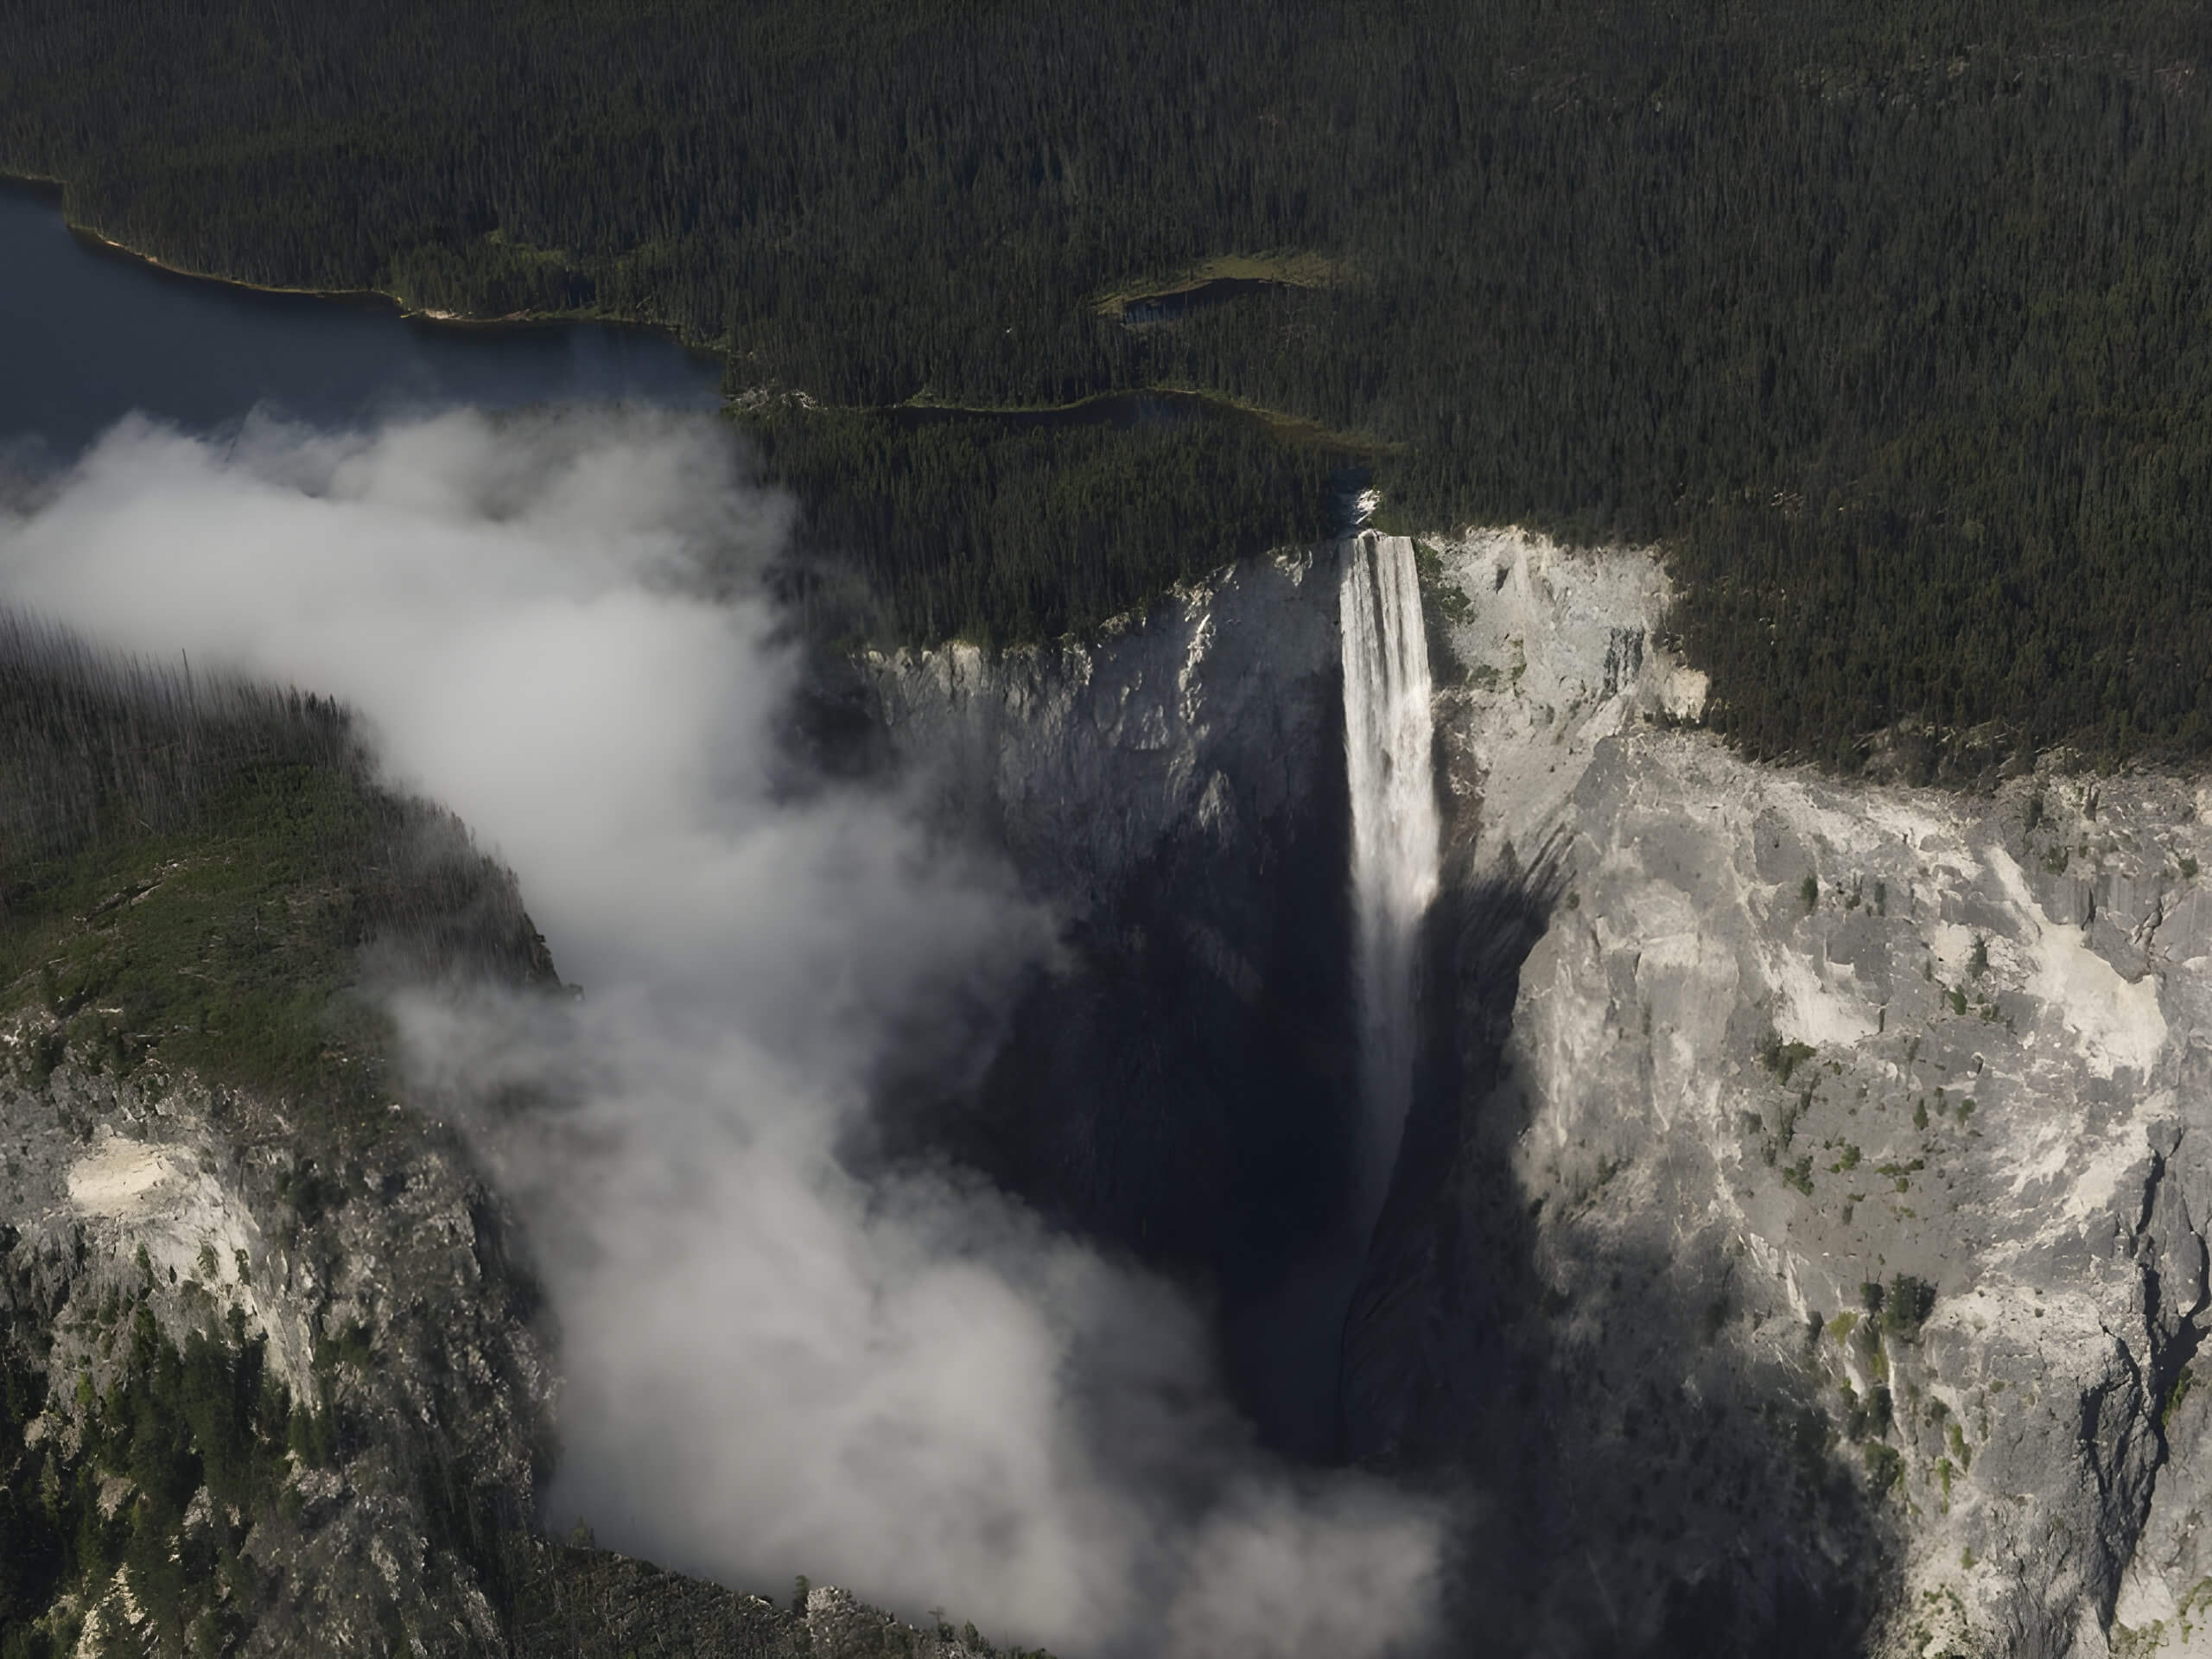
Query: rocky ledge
point(1822, 1169)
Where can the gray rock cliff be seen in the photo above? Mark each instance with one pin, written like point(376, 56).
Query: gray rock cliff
point(1798, 1244)
point(371, 1302)
point(1177, 1084)
point(1799, 1240)
point(1848, 1146)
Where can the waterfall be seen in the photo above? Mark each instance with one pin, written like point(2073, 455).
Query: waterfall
point(1395, 836)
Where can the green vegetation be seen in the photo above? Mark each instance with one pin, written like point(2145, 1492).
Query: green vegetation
point(1906, 1305)
point(1782, 1058)
point(924, 524)
point(1885, 1465)
point(205, 957)
point(1900, 1171)
point(1885, 318)
point(2182, 1385)
point(1868, 1418)
point(169, 1422)
point(188, 871)
point(1881, 1411)
point(1289, 269)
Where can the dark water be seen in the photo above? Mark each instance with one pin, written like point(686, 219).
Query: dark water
point(1185, 301)
point(88, 335)
point(1120, 409)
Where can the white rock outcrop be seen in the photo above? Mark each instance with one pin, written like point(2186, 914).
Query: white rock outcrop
point(1785, 1038)
point(1770, 1045)
point(1205, 715)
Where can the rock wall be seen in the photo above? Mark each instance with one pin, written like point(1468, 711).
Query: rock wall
point(1817, 1256)
point(1213, 718)
point(1799, 1244)
point(365, 1275)
point(374, 1490)
point(1183, 1084)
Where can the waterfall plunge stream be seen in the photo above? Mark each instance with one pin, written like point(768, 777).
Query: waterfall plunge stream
point(1288, 1338)
point(1395, 833)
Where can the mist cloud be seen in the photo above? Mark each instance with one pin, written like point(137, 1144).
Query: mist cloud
point(904, 1382)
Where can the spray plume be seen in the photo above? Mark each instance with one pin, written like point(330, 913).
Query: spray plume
point(904, 1381)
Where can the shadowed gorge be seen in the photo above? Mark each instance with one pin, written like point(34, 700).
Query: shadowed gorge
point(768, 952)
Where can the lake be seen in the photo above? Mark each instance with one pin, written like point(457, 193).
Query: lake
point(89, 334)
point(1178, 303)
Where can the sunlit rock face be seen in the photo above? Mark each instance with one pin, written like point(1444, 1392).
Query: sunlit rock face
point(1820, 1253)
point(1798, 1240)
point(372, 1297)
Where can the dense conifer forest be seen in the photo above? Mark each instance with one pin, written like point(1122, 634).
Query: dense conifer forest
point(928, 522)
point(1890, 319)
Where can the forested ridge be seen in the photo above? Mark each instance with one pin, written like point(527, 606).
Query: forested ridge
point(1888, 319)
point(934, 523)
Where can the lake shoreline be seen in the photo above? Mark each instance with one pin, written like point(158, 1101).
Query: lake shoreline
point(376, 298)
point(1288, 427)
point(1294, 428)
point(93, 330)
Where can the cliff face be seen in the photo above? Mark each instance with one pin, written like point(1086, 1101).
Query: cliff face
point(280, 1393)
point(1179, 1083)
point(1798, 1244)
point(1820, 1255)
point(273, 1379)
point(1213, 719)
point(1799, 1241)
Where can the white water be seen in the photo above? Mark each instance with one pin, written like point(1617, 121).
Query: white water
point(1395, 834)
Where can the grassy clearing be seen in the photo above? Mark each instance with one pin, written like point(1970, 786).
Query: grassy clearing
point(189, 869)
point(227, 950)
point(1292, 267)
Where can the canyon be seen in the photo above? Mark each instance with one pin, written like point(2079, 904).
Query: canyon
point(1793, 1239)
point(1798, 1239)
